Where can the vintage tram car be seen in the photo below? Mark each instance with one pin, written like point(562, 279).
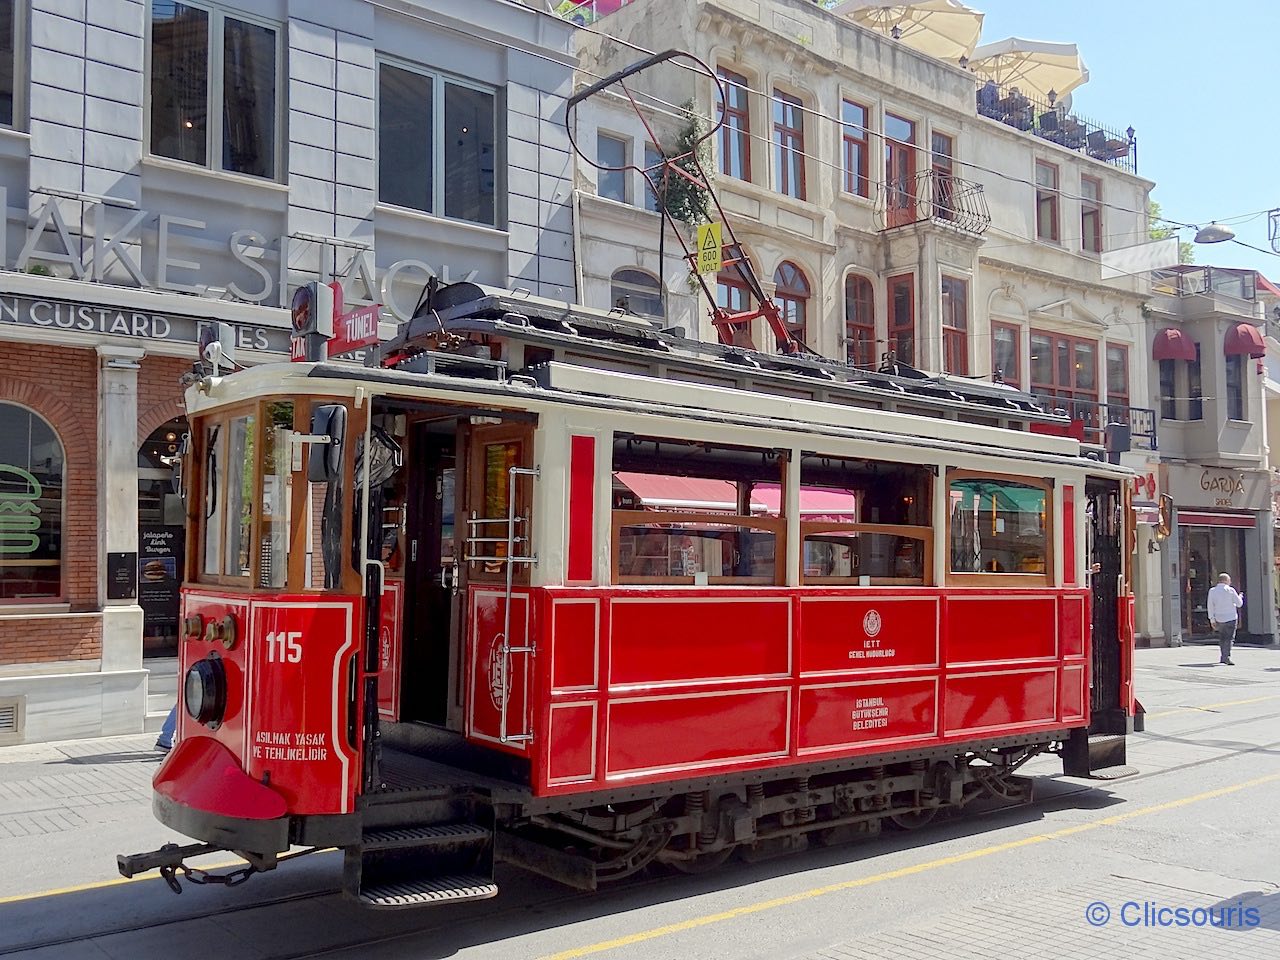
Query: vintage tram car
point(562, 588)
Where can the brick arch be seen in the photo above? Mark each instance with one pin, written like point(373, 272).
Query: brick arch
point(51, 407)
point(156, 416)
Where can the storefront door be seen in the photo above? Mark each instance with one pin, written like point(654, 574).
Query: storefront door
point(1205, 553)
point(160, 539)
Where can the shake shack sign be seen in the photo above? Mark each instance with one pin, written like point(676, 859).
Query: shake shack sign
point(94, 318)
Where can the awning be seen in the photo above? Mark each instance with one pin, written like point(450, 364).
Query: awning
point(681, 493)
point(816, 503)
point(1173, 344)
point(1202, 518)
point(1147, 513)
point(1244, 339)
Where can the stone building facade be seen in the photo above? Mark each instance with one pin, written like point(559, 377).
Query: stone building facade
point(168, 166)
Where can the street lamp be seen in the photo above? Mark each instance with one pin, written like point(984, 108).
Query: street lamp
point(1214, 233)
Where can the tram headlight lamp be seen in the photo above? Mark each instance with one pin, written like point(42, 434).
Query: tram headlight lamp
point(204, 691)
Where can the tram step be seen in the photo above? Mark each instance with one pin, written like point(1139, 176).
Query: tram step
point(1096, 757)
point(421, 892)
point(450, 835)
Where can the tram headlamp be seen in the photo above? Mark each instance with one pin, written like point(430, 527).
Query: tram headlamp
point(204, 691)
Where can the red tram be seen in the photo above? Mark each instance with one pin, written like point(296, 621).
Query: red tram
point(557, 587)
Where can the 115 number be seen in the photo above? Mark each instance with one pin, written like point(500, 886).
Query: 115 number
point(284, 647)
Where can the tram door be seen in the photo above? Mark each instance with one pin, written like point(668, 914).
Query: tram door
point(431, 570)
point(1105, 512)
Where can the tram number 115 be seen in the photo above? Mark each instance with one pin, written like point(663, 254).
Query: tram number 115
point(284, 647)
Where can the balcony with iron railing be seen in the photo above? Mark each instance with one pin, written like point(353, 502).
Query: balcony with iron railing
point(1187, 290)
point(1089, 419)
point(936, 197)
point(1052, 121)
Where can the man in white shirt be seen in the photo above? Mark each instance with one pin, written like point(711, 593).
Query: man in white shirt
point(1224, 606)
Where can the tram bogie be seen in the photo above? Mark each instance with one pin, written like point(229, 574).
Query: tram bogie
point(494, 602)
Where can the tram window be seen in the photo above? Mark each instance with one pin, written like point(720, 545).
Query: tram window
point(695, 513)
point(277, 495)
point(215, 482)
point(865, 521)
point(239, 498)
point(998, 526)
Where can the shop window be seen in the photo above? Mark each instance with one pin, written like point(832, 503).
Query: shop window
point(788, 144)
point(865, 522)
point(10, 63)
point(735, 132)
point(1091, 214)
point(1236, 408)
point(855, 156)
point(1006, 353)
point(215, 81)
point(653, 167)
point(1047, 201)
point(161, 546)
point(437, 149)
point(611, 152)
point(32, 468)
point(859, 321)
point(902, 318)
point(955, 326)
point(899, 170)
point(792, 297)
point(1118, 381)
point(944, 184)
point(1064, 373)
point(998, 526)
point(1168, 389)
point(732, 292)
point(636, 291)
point(687, 512)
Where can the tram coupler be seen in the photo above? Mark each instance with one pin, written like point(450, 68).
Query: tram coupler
point(170, 856)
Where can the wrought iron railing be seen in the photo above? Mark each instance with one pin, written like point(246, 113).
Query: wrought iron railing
point(933, 195)
point(1052, 121)
point(1089, 419)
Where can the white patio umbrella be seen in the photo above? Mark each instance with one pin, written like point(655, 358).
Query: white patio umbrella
point(945, 29)
point(1033, 66)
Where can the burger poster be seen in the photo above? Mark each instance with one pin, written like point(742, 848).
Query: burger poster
point(159, 560)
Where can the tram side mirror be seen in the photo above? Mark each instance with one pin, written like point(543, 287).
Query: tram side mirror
point(1164, 524)
point(325, 464)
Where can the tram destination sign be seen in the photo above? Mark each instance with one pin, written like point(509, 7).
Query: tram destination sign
point(93, 318)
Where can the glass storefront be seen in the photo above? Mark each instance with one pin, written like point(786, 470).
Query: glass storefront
point(160, 539)
point(1206, 552)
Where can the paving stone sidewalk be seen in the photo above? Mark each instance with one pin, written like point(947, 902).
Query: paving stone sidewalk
point(52, 787)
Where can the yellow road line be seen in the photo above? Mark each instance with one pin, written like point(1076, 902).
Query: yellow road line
point(763, 905)
point(1211, 706)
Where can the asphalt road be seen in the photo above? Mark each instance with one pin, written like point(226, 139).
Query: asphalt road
point(1090, 869)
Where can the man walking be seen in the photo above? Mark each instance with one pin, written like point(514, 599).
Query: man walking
point(1224, 606)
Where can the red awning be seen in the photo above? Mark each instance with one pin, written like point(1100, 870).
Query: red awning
point(1244, 339)
point(816, 503)
point(1202, 518)
point(681, 493)
point(1172, 344)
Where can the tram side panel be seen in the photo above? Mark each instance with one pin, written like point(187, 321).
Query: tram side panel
point(651, 685)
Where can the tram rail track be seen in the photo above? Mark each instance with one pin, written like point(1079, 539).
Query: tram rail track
point(638, 883)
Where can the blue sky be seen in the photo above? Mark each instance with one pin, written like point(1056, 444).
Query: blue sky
point(1197, 81)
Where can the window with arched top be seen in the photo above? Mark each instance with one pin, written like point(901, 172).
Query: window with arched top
point(636, 291)
point(732, 292)
point(32, 465)
point(792, 296)
point(859, 321)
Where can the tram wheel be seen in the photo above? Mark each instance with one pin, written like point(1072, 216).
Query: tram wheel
point(914, 820)
point(704, 863)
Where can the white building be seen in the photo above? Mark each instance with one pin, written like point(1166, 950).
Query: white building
point(164, 165)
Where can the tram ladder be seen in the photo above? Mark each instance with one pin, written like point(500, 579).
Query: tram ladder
point(511, 539)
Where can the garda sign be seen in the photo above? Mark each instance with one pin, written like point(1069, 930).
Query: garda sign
point(709, 247)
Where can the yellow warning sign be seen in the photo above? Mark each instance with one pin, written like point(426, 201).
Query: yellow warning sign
point(709, 258)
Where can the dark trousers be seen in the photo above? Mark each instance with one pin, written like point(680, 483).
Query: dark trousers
point(1226, 633)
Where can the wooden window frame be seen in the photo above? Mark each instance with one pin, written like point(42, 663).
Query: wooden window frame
point(1235, 389)
point(955, 339)
point(1091, 216)
point(1014, 379)
point(1045, 579)
point(901, 199)
point(788, 142)
point(894, 330)
point(1167, 379)
point(1048, 197)
point(943, 165)
point(923, 534)
point(856, 173)
point(868, 326)
point(476, 439)
point(740, 112)
point(1114, 396)
point(775, 525)
point(800, 296)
